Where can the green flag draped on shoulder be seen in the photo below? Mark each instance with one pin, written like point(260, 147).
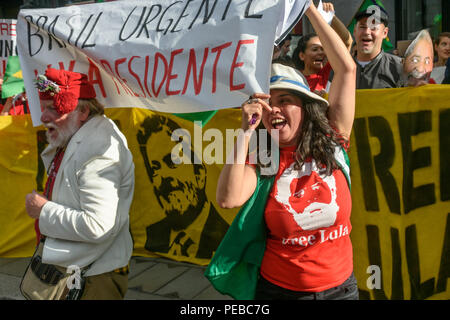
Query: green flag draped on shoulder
point(234, 268)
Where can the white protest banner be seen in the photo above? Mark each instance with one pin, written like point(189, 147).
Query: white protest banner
point(8, 45)
point(165, 55)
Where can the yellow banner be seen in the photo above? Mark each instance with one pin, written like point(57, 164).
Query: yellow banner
point(400, 167)
point(18, 176)
point(174, 213)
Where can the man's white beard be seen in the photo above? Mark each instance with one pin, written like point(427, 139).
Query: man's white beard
point(63, 133)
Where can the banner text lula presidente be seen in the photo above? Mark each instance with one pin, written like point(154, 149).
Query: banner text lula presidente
point(145, 22)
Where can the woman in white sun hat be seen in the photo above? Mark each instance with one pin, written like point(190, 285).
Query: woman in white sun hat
point(308, 253)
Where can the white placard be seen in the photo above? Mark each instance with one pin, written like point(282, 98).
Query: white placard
point(165, 55)
point(8, 46)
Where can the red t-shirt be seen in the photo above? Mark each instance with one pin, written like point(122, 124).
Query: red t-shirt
point(307, 214)
point(318, 81)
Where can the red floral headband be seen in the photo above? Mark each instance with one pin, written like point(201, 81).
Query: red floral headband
point(64, 88)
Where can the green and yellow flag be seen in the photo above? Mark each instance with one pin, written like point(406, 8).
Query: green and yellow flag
point(12, 80)
point(387, 45)
point(203, 116)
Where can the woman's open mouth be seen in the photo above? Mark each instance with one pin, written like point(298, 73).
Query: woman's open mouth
point(318, 60)
point(278, 123)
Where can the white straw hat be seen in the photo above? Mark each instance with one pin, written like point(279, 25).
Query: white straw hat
point(288, 78)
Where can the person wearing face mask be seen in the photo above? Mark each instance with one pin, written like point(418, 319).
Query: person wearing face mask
point(418, 62)
point(375, 68)
point(307, 252)
point(309, 56)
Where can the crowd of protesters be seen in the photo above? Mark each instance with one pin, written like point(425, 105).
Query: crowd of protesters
point(308, 195)
point(375, 67)
point(86, 221)
point(422, 63)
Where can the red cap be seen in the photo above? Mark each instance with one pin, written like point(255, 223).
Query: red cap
point(70, 86)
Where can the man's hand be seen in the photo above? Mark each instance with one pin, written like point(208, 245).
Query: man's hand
point(34, 203)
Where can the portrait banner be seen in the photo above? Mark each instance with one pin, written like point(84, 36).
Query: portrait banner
point(400, 172)
point(169, 56)
point(8, 45)
point(180, 219)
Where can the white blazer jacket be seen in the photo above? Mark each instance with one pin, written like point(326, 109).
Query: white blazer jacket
point(87, 219)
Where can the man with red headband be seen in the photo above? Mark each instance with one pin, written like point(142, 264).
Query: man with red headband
point(83, 215)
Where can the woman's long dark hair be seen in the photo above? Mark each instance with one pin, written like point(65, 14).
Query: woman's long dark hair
point(318, 139)
point(301, 47)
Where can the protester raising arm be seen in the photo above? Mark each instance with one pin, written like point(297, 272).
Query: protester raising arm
point(342, 31)
point(310, 57)
point(294, 204)
point(336, 24)
point(237, 181)
point(342, 91)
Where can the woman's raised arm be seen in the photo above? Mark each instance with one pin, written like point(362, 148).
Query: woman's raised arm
point(341, 96)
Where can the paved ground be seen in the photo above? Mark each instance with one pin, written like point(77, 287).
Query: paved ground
point(149, 279)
